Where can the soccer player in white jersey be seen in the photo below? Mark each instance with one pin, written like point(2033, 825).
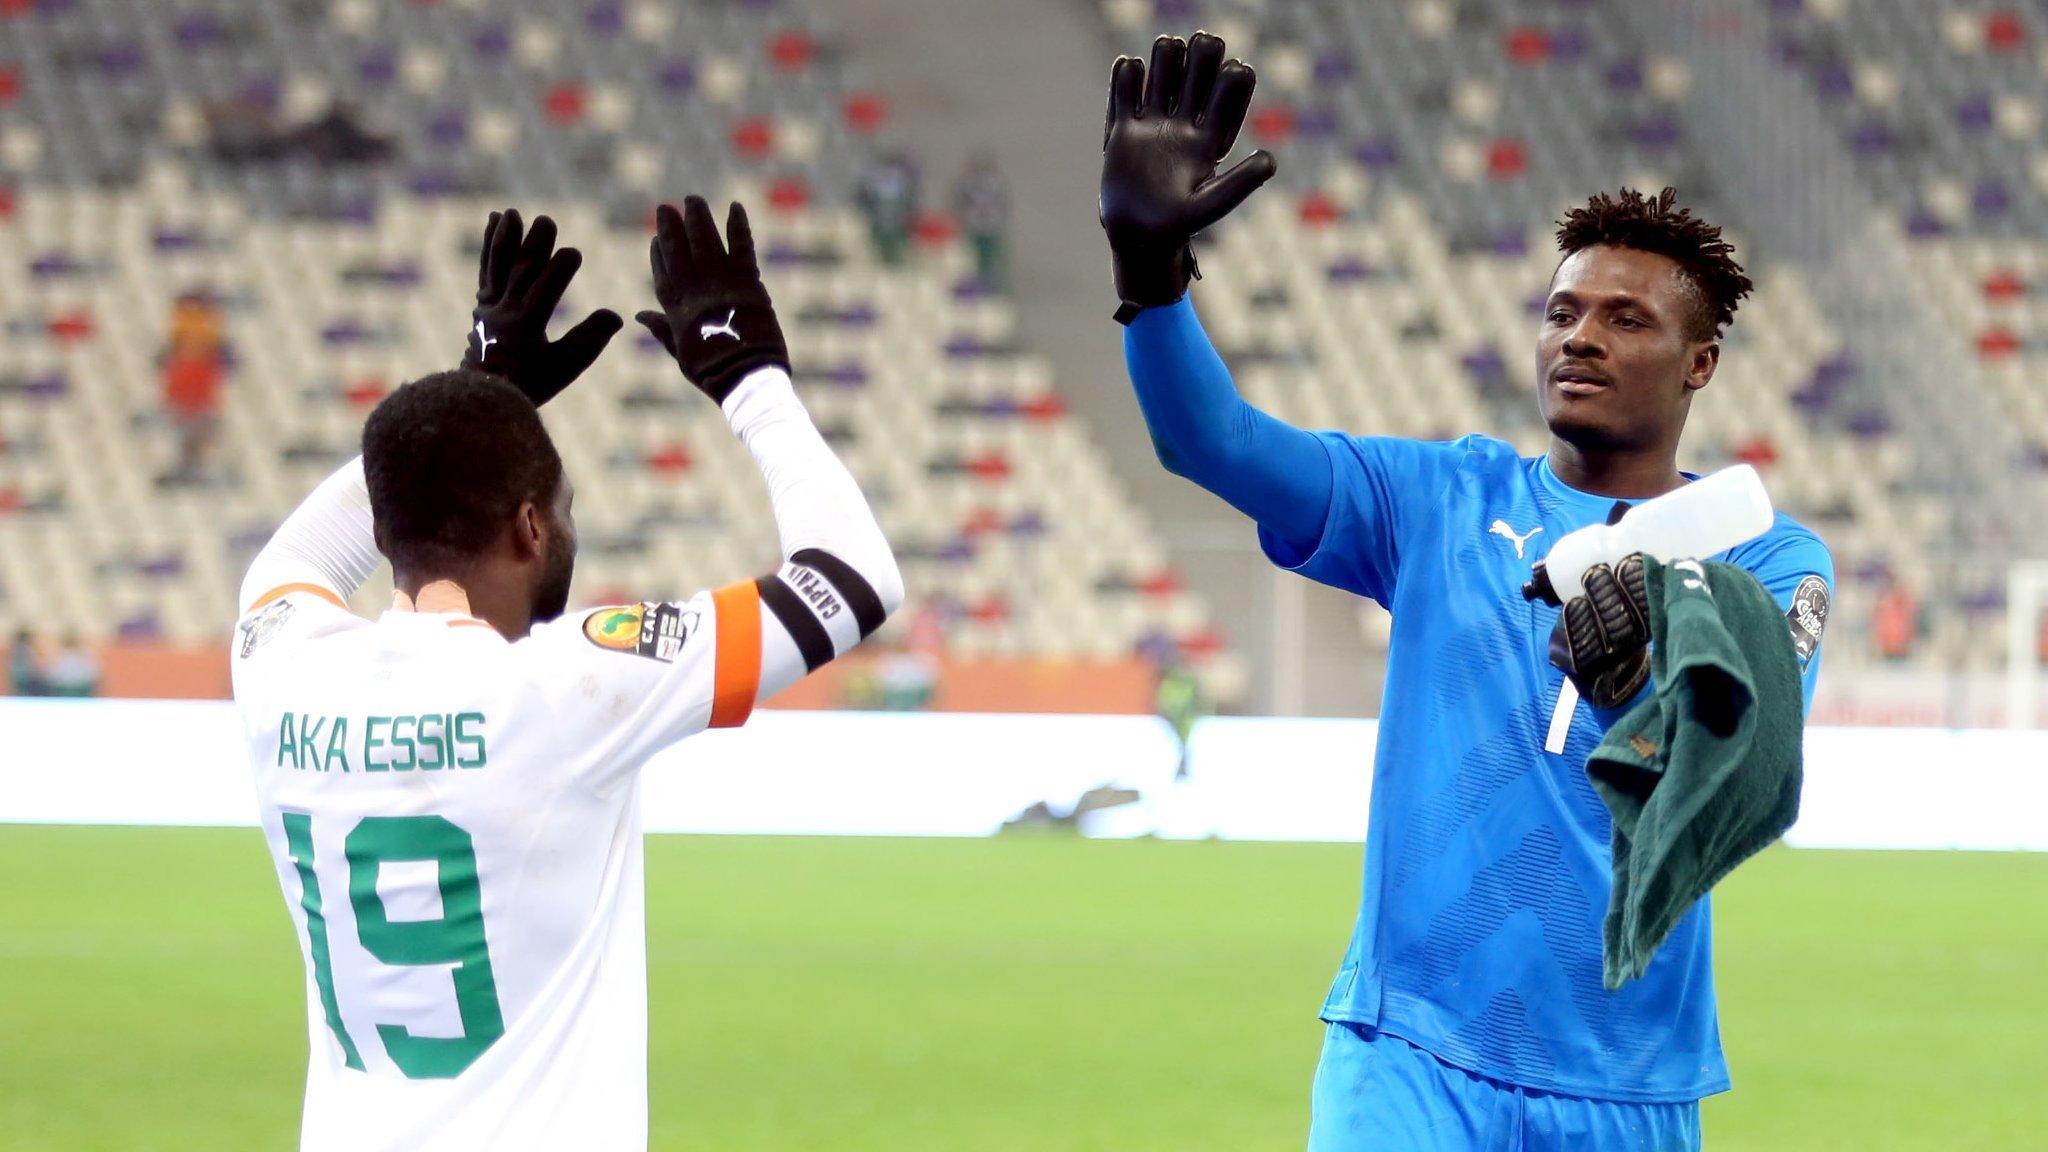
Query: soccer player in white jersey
point(451, 791)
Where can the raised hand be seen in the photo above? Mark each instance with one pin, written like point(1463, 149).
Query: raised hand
point(716, 318)
point(1166, 131)
point(519, 282)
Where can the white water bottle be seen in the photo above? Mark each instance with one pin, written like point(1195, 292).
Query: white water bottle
point(1709, 515)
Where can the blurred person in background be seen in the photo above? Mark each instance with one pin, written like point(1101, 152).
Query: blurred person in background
point(194, 365)
point(1180, 701)
point(74, 671)
point(888, 198)
point(1895, 621)
point(24, 665)
point(981, 202)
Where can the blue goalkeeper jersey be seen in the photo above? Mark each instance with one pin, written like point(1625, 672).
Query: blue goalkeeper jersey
point(1487, 860)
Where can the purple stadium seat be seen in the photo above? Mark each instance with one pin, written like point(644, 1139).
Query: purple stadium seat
point(53, 266)
point(1569, 45)
point(606, 18)
point(1973, 113)
point(1625, 76)
point(1656, 132)
point(1869, 423)
point(1316, 123)
point(678, 78)
point(1335, 67)
point(450, 129)
point(1872, 137)
point(1377, 154)
point(493, 42)
point(1990, 198)
point(1350, 270)
point(122, 58)
point(378, 67)
point(196, 30)
point(1832, 81)
point(1922, 224)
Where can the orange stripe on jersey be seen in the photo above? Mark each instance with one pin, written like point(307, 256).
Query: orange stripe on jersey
point(284, 590)
point(736, 673)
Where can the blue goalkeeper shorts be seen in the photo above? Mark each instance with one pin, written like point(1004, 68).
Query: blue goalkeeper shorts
point(1374, 1091)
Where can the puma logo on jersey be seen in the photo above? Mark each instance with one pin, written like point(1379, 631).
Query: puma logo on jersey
point(483, 342)
point(1500, 528)
point(707, 331)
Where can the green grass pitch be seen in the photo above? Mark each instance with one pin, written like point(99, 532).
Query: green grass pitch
point(1027, 993)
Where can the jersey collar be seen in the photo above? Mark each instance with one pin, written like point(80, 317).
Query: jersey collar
point(1590, 502)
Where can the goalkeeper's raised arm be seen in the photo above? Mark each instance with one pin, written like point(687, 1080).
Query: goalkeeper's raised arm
point(1168, 128)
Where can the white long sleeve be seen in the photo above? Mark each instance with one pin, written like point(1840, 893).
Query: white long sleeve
point(839, 579)
point(328, 541)
point(816, 500)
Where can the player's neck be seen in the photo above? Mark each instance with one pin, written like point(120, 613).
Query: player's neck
point(1621, 475)
point(505, 613)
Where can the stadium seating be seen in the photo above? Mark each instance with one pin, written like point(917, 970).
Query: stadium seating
point(339, 280)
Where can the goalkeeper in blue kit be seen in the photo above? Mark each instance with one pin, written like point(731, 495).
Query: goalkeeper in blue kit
point(1469, 1012)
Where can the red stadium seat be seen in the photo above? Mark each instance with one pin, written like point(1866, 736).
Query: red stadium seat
point(935, 229)
point(669, 460)
point(1528, 45)
point(865, 113)
point(1317, 210)
point(753, 137)
point(565, 102)
point(1997, 344)
point(2003, 32)
point(789, 194)
point(364, 394)
point(1507, 159)
point(2004, 284)
point(71, 327)
point(1273, 124)
point(792, 51)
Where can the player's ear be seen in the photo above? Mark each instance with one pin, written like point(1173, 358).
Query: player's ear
point(529, 532)
point(1705, 358)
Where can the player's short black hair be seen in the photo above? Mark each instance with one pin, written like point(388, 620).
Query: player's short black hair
point(449, 458)
point(1633, 220)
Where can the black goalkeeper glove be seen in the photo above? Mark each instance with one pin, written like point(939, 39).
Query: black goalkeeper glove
point(1602, 638)
point(1164, 135)
point(716, 318)
point(519, 281)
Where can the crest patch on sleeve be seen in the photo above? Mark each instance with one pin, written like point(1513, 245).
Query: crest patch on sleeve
point(1808, 617)
point(260, 627)
point(654, 630)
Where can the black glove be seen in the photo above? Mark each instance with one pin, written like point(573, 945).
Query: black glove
point(519, 281)
point(716, 318)
point(1164, 135)
point(1602, 639)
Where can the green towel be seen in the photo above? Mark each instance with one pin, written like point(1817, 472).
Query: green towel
point(1705, 773)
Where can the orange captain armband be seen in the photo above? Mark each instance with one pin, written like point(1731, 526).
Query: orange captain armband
point(736, 666)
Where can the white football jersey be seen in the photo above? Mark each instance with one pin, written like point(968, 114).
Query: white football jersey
point(455, 823)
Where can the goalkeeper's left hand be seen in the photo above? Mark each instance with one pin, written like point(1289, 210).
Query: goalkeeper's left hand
point(520, 279)
point(1602, 639)
point(1165, 133)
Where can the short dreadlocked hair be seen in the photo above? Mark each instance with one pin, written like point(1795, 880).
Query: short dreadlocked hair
point(1633, 220)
